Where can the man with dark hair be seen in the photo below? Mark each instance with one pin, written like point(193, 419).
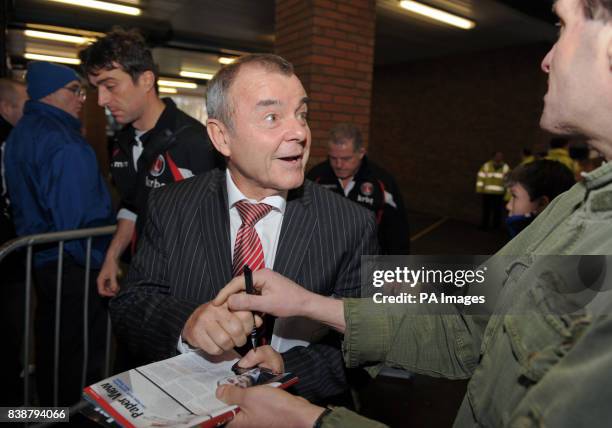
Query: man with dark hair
point(54, 184)
point(259, 212)
point(349, 172)
point(543, 356)
point(158, 145)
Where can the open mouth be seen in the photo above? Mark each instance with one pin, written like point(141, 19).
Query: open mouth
point(291, 159)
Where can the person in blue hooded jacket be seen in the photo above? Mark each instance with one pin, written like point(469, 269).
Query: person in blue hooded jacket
point(54, 184)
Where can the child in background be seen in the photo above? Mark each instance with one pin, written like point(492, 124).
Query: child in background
point(532, 187)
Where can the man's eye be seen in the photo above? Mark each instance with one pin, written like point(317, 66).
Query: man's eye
point(303, 115)
point(270, 118)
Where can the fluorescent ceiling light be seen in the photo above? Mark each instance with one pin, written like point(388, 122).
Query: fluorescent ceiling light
point(196, 75)
point(58, 37)
point(64, 30)
point(177, 84)
point(103, 5)
point(437, 14)
point(165, 90)
point(225, 60)
point(52, 58)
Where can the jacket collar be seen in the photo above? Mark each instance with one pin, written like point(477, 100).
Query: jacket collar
point(363, 170)
point(298, 225)
point(166, 120)
point(125, 137)
point(38, 107)
point(598, 177)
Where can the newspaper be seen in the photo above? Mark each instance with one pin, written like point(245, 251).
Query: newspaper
point(178, 392)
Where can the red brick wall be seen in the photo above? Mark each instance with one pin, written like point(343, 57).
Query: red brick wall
point(331, 44)
point(435, 122)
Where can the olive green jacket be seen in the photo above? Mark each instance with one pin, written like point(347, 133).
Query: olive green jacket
point(528, 365)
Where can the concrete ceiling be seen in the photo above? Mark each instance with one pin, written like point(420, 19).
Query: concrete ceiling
point(194, 33)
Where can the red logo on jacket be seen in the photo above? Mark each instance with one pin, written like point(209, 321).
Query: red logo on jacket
point(367, 188)
point(158, 166)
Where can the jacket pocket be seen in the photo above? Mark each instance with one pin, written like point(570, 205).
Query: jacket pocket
point(525, 344)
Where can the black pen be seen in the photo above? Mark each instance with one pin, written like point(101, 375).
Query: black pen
point(248, 280)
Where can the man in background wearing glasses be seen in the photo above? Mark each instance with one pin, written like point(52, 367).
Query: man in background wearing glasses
point(54, 184)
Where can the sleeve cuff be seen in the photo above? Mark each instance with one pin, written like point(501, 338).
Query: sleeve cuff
point(340, 417)
point(126, 214)
point(360, 346)
point(184, 347)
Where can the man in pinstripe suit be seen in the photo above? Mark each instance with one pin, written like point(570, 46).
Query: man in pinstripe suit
point(257, 119)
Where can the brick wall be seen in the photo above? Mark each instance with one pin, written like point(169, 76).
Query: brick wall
point(331, 44)
point(435, 122)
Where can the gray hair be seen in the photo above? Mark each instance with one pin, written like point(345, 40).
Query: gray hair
point(218, 103)
point(346, 131)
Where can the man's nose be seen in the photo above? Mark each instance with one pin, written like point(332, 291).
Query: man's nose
point(297, 130)
point(546, 61)
point(102, 97)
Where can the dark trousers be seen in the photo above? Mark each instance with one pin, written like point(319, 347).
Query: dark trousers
point(12, 313)
point(492, 206)
point(71, 343)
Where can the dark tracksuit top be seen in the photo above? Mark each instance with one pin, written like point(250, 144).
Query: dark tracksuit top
point(175, 149)
point(376, 190)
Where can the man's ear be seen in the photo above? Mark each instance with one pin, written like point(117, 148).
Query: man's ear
point(219, 135)
point(147, 79)
point(543, 202)
point(362, 152)
point(4, 108)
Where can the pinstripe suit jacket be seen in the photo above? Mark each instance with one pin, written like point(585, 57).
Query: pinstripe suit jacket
point(184, 259)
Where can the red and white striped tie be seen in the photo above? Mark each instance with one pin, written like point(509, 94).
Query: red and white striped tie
point(248, 249)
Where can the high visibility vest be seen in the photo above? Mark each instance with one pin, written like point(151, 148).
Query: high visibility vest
point(527, 159)
point(562, 155)
point(490, 179)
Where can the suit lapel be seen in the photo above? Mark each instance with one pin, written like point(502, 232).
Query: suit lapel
point(215, 229)
point(296, 233)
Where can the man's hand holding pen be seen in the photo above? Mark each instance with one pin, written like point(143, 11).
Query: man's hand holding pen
point(281, 297)
point(215, 329)
point(273, 294)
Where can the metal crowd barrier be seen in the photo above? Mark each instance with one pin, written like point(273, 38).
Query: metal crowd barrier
point(29, 242)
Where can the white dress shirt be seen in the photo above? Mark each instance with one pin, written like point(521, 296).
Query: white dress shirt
point(288, 332)
point(268, 228)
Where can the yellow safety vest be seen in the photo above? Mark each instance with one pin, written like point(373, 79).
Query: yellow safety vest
point(490, 180)
point(562, 155)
